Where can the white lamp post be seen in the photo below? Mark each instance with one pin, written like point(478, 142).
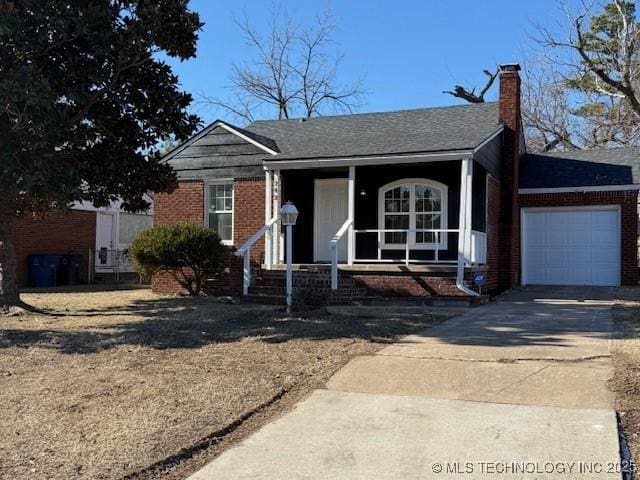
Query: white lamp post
point(288, 216)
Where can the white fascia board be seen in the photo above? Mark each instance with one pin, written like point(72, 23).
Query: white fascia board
point(87, 206)
point(596, 188)
point(230, 129)
point(358, 161)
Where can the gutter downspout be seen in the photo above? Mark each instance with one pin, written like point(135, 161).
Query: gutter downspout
point(464, 223)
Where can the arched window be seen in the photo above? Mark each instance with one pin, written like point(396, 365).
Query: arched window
point(413, 204)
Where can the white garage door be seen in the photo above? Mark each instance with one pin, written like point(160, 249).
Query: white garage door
point(571, 246)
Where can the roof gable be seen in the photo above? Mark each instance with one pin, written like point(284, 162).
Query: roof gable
point(222, 138)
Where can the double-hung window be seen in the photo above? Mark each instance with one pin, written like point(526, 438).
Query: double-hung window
point(219, 209)
point(413, 204)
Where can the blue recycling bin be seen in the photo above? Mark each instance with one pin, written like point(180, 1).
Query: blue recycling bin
point(43, 270)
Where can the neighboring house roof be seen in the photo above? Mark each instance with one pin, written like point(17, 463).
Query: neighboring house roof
point(581, 168)
point(437, 129)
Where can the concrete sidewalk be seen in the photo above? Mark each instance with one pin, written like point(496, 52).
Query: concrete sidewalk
point(514, 389)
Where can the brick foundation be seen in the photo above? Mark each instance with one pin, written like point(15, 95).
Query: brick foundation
point(407, 285)
point(628, 201)
point(74, 232)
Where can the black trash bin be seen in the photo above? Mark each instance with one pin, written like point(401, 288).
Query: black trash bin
point(69, 270)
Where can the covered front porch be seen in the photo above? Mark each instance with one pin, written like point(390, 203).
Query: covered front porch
point(423, 215)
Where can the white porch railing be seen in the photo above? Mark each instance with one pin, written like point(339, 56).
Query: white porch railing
point(245, 252)
point(409, 245)
point(333, 245)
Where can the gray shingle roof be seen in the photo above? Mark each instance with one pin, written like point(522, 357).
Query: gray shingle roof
point(581, 168)
point(407, 131)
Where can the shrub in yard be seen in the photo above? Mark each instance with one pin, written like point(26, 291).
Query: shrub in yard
point(189, 252)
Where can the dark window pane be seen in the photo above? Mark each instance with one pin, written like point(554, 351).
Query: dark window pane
point(221, 223)
point(427, 222)
point(396, 222)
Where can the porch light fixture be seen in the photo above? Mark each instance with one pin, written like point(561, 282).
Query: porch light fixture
point(289, 214)
point(363, 193)
point(288, 217)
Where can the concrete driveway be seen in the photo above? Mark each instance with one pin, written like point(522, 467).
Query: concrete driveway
point(514, 389)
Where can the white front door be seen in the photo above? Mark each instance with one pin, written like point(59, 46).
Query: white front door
point(330, 212)
point(105, 239)
point(565, 246)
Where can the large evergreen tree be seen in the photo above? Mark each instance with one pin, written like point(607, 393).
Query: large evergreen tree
point(84, 98)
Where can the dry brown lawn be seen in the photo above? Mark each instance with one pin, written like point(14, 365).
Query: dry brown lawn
point(128, 384)
point(626, 359)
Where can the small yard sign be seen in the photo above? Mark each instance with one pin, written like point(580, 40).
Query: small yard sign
point(479, 279)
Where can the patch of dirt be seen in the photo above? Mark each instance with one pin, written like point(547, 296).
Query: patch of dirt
point(626, 359)
point(110, 383)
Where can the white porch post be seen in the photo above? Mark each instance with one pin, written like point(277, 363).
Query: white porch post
point(276, 186)
point(289, 241)
point(246, 271)
point(351, 214)
point(464, 224)
point(268, 200)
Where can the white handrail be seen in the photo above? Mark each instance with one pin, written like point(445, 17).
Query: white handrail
point(255, 237)
point(333, 245)
point(245, 252)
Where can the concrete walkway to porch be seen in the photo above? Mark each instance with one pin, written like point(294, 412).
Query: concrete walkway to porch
point(514, 389)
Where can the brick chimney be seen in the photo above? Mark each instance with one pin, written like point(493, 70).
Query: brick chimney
point(509, 116)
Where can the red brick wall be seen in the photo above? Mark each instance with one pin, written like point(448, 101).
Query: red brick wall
point(187, 203)
point(628, 202)
point(509, 108)
point(248, 204)
point(74, 232)
point(493, 233)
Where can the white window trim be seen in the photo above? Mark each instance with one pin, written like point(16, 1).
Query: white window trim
point(442, 244)
point(221, 181)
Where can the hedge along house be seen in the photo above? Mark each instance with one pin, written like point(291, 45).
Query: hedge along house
point(406, 203)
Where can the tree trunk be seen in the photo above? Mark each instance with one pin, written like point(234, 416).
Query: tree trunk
point(9, 296)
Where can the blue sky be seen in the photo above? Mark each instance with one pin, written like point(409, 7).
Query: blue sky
point(406, 52)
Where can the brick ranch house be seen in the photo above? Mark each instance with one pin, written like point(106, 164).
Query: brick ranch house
point(408, 203)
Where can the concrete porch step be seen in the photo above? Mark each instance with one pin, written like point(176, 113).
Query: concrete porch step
point(269, 299)
point(299, 283)
point(281, 290)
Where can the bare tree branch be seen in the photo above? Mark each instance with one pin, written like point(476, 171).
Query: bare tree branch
point(470, 95)
point(294, 73)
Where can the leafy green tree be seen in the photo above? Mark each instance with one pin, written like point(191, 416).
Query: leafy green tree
point(582, 90)
point(188, 252)
point(84, 98)
point(595, 69)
